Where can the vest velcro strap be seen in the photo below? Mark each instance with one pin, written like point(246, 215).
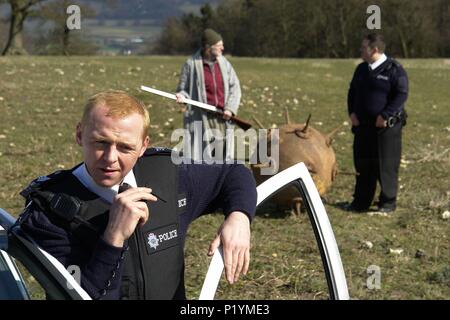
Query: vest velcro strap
point(67, 208)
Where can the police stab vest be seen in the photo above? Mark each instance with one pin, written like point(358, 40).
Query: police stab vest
point(154, 264)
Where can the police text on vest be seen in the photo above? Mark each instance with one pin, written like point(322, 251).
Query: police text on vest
point(168, 235)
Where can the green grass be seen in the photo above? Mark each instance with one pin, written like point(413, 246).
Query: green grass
point(42, 98)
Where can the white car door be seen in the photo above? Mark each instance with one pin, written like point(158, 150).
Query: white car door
point(299, 177)
point(11, 283)
point(57, 282)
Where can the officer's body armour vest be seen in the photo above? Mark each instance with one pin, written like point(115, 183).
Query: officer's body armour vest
point(154, 264)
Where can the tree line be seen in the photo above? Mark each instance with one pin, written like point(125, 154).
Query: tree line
point(268, 28)
point(313, 28)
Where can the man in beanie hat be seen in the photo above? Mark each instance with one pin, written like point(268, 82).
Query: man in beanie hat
point(210, 37)
point(208, 77)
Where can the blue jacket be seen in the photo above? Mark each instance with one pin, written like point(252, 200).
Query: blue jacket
point(382, 91)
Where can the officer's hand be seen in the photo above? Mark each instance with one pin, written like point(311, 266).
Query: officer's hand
point(234, 235)
point(127, 211)
point(381, 123)
point(354, 120)
point(227, 114)
point(180, 98)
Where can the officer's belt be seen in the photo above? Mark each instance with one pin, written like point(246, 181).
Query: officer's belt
point(391, 121)
point(396, 118)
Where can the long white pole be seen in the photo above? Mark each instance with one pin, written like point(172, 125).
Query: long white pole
point(188, 101)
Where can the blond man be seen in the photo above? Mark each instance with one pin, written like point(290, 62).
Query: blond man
point(122, 214)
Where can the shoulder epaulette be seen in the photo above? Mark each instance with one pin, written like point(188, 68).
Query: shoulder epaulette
point(43, 181)
point(396, 63)
point(158, 151)
point(393, 62)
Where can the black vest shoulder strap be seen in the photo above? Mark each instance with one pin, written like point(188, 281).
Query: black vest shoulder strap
point(69, 204)
point(392, 65)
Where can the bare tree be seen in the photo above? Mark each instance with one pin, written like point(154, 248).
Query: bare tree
point(20, 9)
point(56, 12)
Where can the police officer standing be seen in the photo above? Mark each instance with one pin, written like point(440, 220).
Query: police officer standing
point(376, 98)
point(122, 214)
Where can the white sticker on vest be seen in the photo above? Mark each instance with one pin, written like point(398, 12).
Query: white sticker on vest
point(161, 238)
point(182, 203)
point(382, 77)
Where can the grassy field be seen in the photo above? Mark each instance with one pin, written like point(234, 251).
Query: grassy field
point(41, 100)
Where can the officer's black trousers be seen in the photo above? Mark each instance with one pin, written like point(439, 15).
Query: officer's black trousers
point(376, 154)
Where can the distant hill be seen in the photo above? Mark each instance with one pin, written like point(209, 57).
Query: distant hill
point(157, 10)
point(119, 26)
point(132, 26)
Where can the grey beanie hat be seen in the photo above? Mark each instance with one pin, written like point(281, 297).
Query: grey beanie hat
point(210, 37)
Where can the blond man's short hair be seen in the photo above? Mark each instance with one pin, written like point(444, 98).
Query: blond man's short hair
point(120, 104)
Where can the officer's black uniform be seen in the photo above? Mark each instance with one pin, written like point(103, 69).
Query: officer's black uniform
point(67, 220)
point(377, 151)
